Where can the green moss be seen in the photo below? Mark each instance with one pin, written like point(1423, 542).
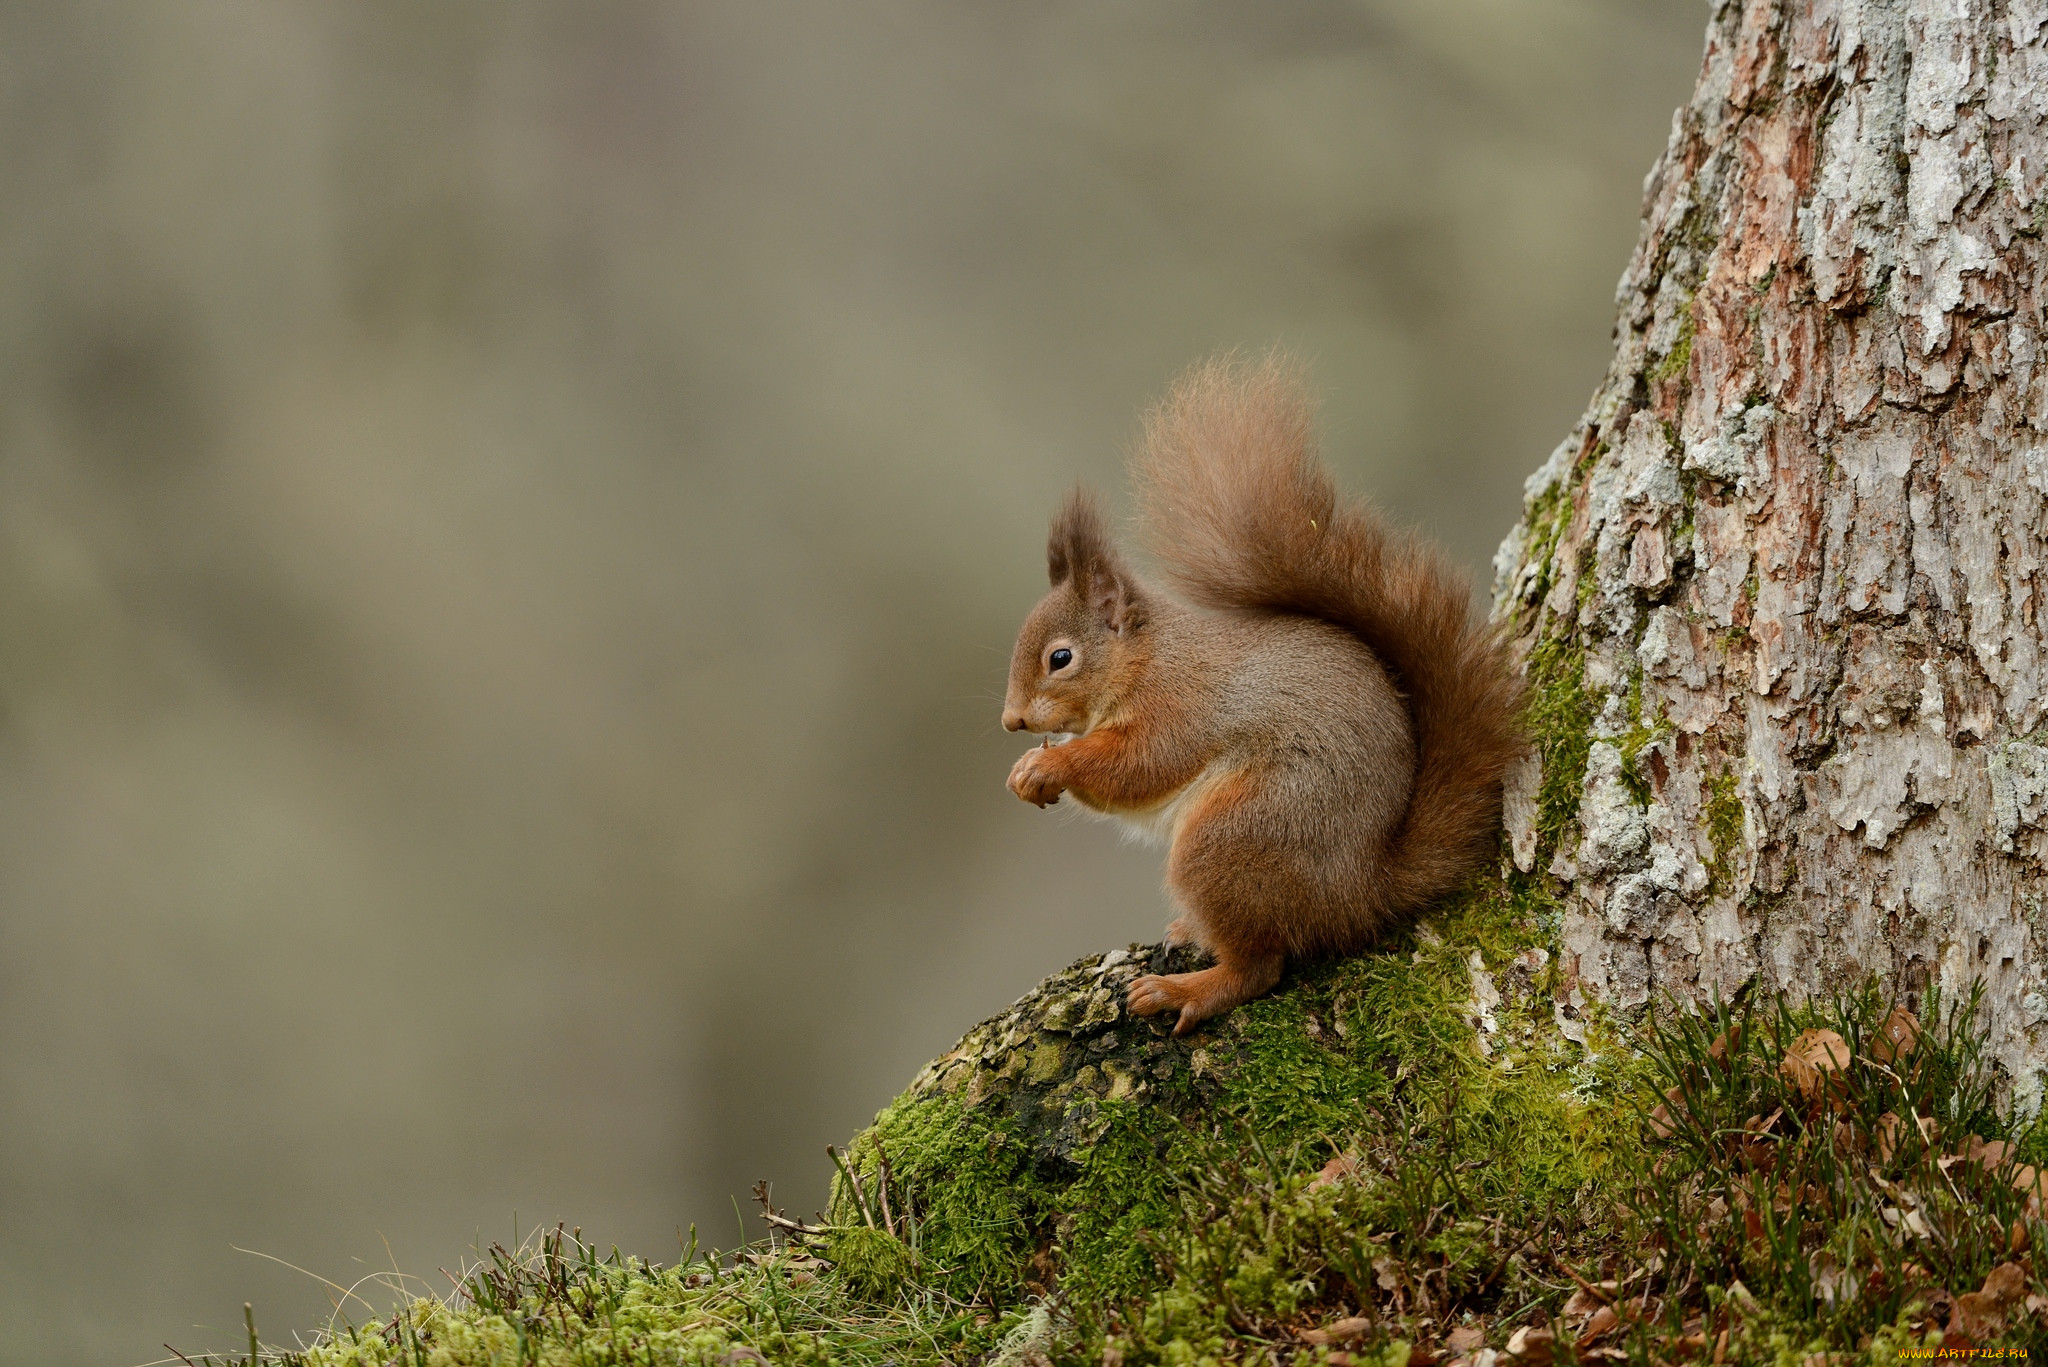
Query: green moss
point(1724, 828)
point(1643, 732)
point(1341, 1147)
point(1558, 718)
point(1547, 521)
point(875, 1264)
point(1672, 365)
point(964, 1179)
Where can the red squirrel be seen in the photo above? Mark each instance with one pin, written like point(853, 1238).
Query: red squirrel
point(1319, 733)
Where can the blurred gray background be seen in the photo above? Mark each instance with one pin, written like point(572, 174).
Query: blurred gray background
point(511, 522)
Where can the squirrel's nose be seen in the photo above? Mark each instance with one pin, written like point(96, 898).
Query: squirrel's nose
point(1012, 721)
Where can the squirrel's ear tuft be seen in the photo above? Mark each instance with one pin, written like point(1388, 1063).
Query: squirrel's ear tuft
point(1079, 553)
point(1079, 540)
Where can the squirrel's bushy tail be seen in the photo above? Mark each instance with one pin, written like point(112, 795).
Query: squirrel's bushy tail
point(1241, 512)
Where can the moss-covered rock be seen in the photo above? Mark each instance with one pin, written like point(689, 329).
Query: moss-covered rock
point(1055, 1144)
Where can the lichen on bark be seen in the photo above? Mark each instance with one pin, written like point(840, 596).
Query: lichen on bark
point(1801, 526)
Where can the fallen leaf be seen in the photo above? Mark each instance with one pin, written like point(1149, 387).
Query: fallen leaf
point(1832, 1282)
point(1723, 1042)
point(1532, 1345)
point(2036, 1304)
point(2005, 1284)
point(1930, 1128)
point(1336, 1170)
point(1991, 1153)
point(2019, 1240)
point(1337, 1331)
point(1897, 1037)
point(1465, 1338)
point(1889, 1131)
point(1813, 1058)
point(1590, 1297)
point(1976, 1316)
point(1660, 1123)
point(1603, 1322)
point(2026, 1178)
point(1387, 1276)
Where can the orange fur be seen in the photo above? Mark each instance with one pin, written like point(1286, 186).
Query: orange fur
point(1324, 746)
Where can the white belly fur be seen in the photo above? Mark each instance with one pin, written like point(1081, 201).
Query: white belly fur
point(1160, 823)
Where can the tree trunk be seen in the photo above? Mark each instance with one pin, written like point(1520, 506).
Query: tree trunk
point(1781, 589)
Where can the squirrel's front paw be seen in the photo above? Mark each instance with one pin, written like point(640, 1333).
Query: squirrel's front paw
point(1031, 778)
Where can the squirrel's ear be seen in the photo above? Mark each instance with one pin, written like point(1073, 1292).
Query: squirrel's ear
point(1079, 552)
point(1079, 539)
point(1116, 598)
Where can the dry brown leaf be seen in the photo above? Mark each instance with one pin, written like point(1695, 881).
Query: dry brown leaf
point(2027, 1178)
point(1465, 1338)
point(1930, 1128)
point(1975, 1316)
point(1991, 1153)
point(1387, 1277)
point(1590, 1297)
point(2019, 1240)
point(1336, 1170)
point(2005, 1285)
point(1533, 1345)
point(1890, 1129)
point(1813, 1059)
point(1603, 1322)
point(1337, 1331)
point(1718, 1050)
point(1897, 1037)
point(1660, 1123)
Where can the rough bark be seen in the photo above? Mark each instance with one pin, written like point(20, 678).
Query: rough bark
point(1781, 588)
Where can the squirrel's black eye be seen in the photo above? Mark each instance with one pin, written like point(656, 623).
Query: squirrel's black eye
point(1061, 658)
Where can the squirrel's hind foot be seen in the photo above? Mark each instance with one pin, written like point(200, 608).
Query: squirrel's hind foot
point(1204, 993)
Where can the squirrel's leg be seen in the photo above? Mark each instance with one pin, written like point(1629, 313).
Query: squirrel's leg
point(1235, 979)
point(1185, 931)
point(1238, 890)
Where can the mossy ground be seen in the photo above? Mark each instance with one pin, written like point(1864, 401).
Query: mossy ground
point(1393, 1159)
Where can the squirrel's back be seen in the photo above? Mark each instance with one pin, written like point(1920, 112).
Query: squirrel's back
point(1244, 517)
